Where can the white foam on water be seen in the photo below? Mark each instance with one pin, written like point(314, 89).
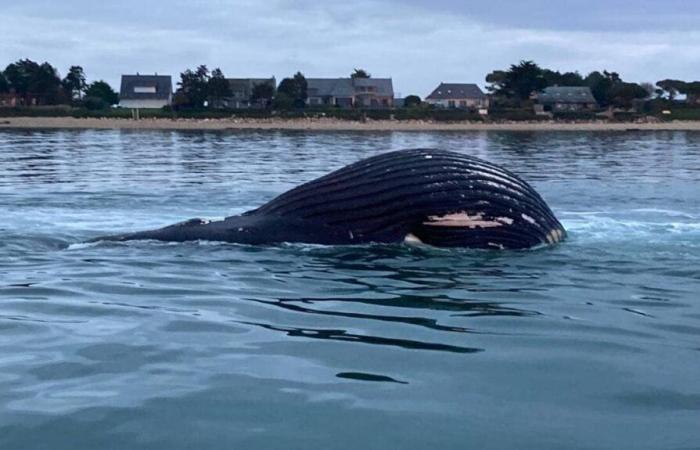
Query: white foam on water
point(630, 225)
point(82, 245)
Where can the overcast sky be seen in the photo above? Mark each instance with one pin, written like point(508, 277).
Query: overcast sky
point(417, 42)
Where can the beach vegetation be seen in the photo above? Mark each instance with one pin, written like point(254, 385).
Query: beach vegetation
point(103, 91)
point(292, 92)
point(411, 101)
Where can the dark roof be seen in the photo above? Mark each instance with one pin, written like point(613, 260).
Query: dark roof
point(162, 83)
point(329, 87)
point(243, 87)
point(456, 90)
point(566, 94)
point(383, 86)
point(347, 87)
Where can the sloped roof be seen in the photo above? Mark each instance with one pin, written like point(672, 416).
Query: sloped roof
point(566, 94)
point(447, 91)
point(329, 87)
point(162, 83)
point(244, 86)
point(347, 87)
point(383, 86)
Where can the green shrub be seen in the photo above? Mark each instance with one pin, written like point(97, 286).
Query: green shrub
point(94, 103)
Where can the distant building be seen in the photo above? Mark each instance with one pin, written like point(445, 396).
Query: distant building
point(13, 99)
point(350, 92)
point(10, 99)
point(242, 90)
point(565, 99)
point(458, 95)
point(145, 91)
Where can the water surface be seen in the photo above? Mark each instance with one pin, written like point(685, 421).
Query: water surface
point(592, 344)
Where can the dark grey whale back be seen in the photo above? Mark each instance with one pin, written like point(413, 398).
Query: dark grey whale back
point(436, 197)
point(405, 192)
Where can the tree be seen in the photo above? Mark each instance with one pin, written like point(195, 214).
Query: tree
point(293, 90)
point(103, 91)
point(4, 84)
point(518, 82)
point(300, 81)
point(602, 84)
point(411, 101)
point(692, 92)
point(193, 87)
point(360, 73)
point(624, 94)
point(497, 78)
point(649, 88)
point(262, 94)
point(19, 75)
point(671, 87)
point(217, 87)
point(555, 78)
point(74, 83)
point(47, 85)
point(36, 83)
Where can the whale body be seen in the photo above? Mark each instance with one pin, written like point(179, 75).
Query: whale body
point(435, 197)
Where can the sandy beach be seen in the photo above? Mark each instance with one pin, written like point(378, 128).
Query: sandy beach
point(330, 125)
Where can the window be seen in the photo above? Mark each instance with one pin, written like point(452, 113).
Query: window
point(144, 89)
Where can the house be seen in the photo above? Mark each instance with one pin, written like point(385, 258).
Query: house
point(458, 95)
point(565, 99)
point(350, 92)
point(242, 91)
point(145, 91)
point(12, 99)
point(373, 92)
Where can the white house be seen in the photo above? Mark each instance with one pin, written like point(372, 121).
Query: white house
point(145, 91)
point(458, 95)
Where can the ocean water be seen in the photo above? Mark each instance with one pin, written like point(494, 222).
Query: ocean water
point(592, 344)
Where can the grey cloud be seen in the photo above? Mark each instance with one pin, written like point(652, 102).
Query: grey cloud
point(418, 43)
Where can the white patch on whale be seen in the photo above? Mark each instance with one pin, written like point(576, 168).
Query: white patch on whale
point(412, 239)
point(463, 219)
point(528, 218)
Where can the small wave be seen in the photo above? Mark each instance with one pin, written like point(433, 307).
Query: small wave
point(607, 225)
point(82, 245)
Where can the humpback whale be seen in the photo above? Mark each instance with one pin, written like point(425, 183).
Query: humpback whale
point(436, 197)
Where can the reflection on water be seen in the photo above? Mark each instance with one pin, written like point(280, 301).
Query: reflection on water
point(208, 345)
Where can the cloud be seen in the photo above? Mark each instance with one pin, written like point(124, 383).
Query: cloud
point(417, 43)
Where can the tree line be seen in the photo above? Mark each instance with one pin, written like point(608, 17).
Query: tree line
point(200, 88)
point(516, 85)
point(40, 84)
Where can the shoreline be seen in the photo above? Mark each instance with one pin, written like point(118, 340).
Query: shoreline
point(325, 124)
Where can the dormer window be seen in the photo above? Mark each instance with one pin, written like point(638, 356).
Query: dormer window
point(144, 89)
